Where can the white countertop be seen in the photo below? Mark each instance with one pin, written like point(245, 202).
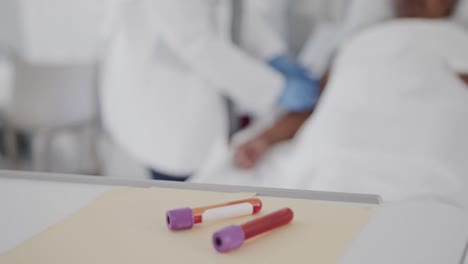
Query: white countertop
point(28, 207)
point(31, 202)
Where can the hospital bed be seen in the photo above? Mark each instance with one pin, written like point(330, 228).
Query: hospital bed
point(448, 95)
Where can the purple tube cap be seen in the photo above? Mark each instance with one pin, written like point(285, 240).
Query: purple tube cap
point(179, 219)
point(228, 238)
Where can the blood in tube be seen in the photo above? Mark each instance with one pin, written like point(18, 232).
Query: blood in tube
point(185, 218)
point(232, 237)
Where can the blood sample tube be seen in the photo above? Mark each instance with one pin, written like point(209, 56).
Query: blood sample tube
point(232, 237)
point(185, 218)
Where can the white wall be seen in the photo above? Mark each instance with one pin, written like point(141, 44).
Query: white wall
point(53, 30)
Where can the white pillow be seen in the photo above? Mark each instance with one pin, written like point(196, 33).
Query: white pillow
point(362, 13)
point(319, 50)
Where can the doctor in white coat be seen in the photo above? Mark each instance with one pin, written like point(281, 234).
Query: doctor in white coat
point(172, 119)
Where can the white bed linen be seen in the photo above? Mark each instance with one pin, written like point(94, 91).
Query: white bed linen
point(393, 121)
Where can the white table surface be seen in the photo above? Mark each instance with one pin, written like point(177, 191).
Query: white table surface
point(31, 202)
point(28, 207)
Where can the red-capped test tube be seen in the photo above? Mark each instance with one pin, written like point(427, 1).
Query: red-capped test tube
point(185, 218)
point(232, 237)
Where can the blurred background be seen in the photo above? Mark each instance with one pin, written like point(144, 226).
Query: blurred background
point(51, 58)
point(159, 89)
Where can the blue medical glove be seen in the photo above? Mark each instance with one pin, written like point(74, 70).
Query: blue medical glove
point(302, 91)
point(287, 66)
point(300, 94)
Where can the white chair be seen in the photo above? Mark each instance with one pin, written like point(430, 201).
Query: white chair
point(53, 46)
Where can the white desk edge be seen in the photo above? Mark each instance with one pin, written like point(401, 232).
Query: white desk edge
point(370, 199)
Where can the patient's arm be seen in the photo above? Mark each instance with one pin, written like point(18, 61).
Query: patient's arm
point(248, 154)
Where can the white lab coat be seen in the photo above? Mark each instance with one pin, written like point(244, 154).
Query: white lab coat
point(173, 112)
point(321, 47)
